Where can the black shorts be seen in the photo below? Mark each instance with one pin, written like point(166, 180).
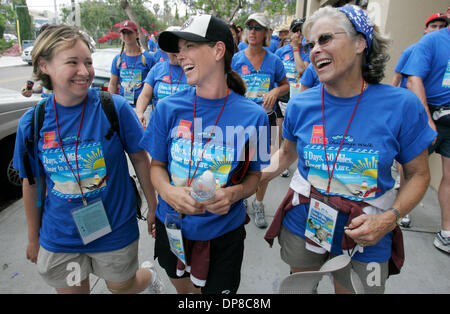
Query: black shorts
point(277, 110)
point(442, 145)
point(226, 255)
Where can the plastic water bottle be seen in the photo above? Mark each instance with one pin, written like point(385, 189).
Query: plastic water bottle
point(204, 186)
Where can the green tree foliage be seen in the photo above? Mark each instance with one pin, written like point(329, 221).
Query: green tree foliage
point(25, 23)
point(97, 17)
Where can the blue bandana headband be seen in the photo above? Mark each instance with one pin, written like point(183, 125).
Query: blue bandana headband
point(361, 22)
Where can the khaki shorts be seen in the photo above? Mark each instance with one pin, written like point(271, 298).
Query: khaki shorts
point(294, 253)
point(63, 270)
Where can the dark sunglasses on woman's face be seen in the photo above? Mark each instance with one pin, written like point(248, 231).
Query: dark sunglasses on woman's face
point(256, 28)
point(323, 40)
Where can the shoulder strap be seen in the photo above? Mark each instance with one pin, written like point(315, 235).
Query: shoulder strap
point(110, 111)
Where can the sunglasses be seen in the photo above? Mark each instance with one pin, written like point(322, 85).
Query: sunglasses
point(256, 28)
point(323, 40)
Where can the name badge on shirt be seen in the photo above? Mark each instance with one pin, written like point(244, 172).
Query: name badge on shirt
point(321, 223)
point(173, 229)
point(91, 221)
point(446, 80)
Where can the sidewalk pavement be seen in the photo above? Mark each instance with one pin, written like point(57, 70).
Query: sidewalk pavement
point(8, 61)
point(426, 269)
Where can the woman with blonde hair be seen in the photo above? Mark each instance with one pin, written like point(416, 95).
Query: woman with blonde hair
point(86, 222)
point(131, 66)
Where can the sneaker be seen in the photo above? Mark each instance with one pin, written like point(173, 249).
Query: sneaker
point(442, 243)
point(406, 221)
point(260, 219)
point(285, 173)
point(156, 286)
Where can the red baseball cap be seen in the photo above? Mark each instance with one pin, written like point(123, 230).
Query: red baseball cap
point(129, 25)
point(436, 17)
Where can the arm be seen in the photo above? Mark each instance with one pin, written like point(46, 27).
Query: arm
point(415, 84)
point(280, 160)
point(397, 79)
point(33, 215)
point(141, 164)
point(369, 229)
point(271, 97)
point(142, 103)
point(300, 64)
point(178, 197)
point(112, 87)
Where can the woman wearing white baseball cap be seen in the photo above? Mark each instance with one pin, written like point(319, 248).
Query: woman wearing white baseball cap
point(194, 131)
point(265, 76)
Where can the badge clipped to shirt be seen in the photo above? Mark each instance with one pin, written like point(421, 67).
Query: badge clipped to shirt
point(446, 80)
point(128, 93)
point(173, 229)
point(91, 221)
point(321, 223)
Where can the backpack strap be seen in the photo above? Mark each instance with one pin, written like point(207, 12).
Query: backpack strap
point(110, 111)
point(34, 138)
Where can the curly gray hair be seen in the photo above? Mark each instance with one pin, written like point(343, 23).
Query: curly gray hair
point(374, 64)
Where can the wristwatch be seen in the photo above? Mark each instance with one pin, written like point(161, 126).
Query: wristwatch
point(397, 214)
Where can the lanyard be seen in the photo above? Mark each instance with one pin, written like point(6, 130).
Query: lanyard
point(330, 176)
point(134, 64)
point(210, 135)
point(77, 177)
point(176, 88)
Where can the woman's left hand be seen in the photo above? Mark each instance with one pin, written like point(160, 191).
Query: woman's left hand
point(367, 230)
point(221, 202)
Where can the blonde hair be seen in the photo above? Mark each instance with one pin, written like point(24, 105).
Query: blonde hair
point(119, 60)
point(52, 39)
point(267, 38)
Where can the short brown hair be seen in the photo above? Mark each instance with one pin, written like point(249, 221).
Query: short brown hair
point(48, 42)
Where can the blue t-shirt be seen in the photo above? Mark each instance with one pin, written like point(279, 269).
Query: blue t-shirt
point(168, 139)
point(132, 73)
point(166, 79)
point(389, 123)
point(309, 77)
point(430, 60)
point(262, 81)
point(102, 166)
point(152, 45)
point(401, 63)
point(286, 54)
point(160, 56)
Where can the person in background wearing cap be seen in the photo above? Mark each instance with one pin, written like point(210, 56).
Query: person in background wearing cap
point(261, 70)
point(131, 66)
point(164, 79)
point(428, 71)
point(295, 60)
point(197, 131)
point(345, 133)
point(434, 22)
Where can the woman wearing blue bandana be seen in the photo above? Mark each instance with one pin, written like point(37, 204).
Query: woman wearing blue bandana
point(346, 132)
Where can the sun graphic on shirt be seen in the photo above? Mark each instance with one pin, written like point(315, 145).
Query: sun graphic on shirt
point(222, 164)
point(94, 160)
point(366, 167)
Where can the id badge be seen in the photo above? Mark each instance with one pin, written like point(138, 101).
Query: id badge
point(91, 221)
point(321, 223)
point(173, 229)
point(294, 88)
point(446, 80)
point(128, 93)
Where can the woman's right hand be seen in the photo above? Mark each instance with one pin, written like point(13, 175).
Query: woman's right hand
point(142, 119)
point(180, 199)
point(33, 251)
